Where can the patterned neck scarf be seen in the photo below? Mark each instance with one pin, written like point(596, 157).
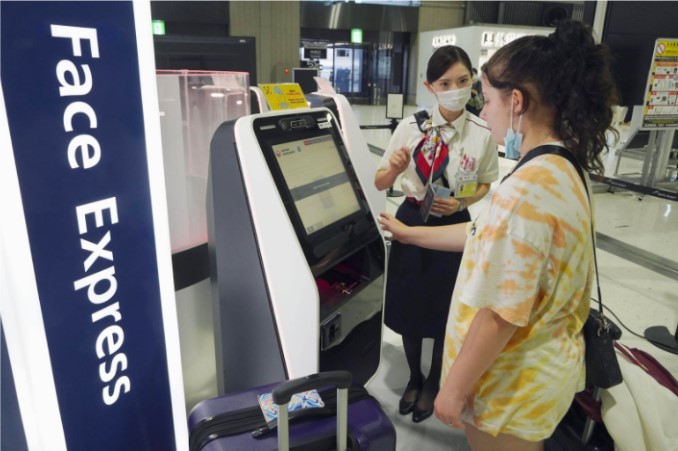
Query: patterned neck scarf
point(431, 154)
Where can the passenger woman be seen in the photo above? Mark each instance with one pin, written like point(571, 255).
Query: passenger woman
point(514, 352)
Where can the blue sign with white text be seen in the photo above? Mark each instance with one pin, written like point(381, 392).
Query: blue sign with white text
point(70, 76)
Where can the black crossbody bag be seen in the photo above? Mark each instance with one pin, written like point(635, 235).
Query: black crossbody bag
point(602, 366)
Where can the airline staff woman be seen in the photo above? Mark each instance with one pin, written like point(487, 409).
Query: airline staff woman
point(450, 149)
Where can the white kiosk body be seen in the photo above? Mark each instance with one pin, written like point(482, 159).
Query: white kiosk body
point(297, 260)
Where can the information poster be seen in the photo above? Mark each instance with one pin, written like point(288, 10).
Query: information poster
point(661, 102)
point(284, 96)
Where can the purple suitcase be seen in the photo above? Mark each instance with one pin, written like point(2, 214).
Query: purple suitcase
point(367, 425)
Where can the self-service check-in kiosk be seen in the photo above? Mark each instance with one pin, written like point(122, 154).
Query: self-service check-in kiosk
point(297, 259)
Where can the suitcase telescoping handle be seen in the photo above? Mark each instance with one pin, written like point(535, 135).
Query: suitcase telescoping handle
point(282, 395)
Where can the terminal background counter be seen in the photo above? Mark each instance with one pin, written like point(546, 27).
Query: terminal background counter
point(291, 297)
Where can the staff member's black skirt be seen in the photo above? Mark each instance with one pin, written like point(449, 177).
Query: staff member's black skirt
point(420, 281)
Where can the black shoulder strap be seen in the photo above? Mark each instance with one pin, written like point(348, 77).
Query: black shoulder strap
point(569, 156)
point(421, 117)
point(550, 148)
point(580, 170)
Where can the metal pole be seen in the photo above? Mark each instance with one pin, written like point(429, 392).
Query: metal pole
point(283, 428)
point(342, 418)
point(392, 192)
point(599, 20)
point(590, 424)
point(650, 155)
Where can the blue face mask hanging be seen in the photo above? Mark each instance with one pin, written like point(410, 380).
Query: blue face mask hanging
point(513, 140)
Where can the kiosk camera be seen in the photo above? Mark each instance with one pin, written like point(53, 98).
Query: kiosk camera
point(297, 260)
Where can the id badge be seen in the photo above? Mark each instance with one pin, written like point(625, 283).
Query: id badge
point(466, 184)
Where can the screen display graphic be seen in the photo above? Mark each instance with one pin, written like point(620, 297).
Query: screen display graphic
point(317, 180)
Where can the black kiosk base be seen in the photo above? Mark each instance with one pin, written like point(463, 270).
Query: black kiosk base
point(297, 260)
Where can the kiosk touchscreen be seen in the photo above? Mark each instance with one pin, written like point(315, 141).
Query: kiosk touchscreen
point(358, 150)
point(316, 183)
point(297, 259)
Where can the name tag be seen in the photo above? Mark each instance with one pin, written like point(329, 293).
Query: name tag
point(466, 184)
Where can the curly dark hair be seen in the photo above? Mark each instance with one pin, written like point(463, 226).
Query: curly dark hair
point(569, 72)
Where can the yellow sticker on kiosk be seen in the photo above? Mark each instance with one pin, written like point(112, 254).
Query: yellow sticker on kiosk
point(284, 96)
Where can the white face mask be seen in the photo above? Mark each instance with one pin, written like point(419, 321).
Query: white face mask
point(454, 99)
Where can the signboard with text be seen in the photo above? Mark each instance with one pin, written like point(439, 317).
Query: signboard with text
point(661, 95)
point(284, 96)
point(86, 280)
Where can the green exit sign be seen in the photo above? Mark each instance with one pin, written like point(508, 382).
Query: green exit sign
point(356, 36)
point(158, 26)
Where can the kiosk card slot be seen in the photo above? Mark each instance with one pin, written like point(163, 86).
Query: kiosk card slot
point(323, 248)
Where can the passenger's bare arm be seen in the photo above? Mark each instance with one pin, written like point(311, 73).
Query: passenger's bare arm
point(443, 238)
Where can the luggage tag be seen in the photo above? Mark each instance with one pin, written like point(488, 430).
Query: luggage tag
point(304, 400)
point(466, 180)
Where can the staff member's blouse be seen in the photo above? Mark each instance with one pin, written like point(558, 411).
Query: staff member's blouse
point(468, 134)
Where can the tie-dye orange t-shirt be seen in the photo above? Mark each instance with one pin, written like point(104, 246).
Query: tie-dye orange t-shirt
point(529, 258)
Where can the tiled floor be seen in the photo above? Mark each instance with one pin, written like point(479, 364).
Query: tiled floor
point(638, 296)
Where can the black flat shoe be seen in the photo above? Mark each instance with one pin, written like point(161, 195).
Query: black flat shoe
point(423, 408)
point(405, 407)
point(409, 398)
point(420, 415)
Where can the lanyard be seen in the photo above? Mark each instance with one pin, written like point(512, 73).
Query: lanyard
point(549, 148)
point(438, 146)
point(557, 150)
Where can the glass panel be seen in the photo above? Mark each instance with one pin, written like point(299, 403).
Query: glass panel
point(357, 84)
point(192, 105)
point(343, 61)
